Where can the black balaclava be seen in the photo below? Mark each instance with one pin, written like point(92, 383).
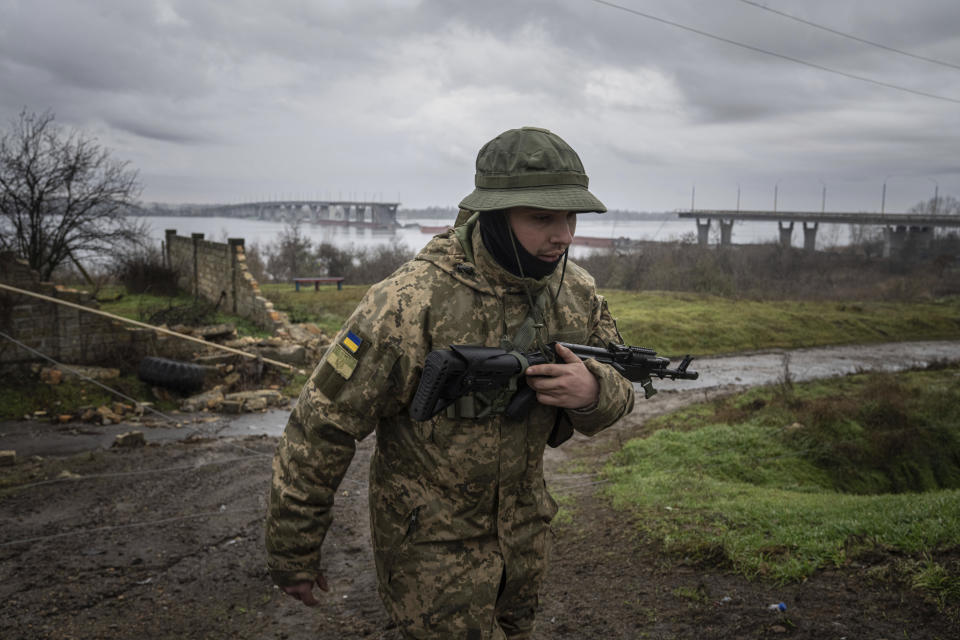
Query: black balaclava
point(500, 241)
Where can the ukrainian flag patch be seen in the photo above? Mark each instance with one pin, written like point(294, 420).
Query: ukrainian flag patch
point(345, 355)
point(351, 342)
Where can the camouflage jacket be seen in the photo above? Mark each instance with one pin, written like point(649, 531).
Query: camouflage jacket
point(441, 479)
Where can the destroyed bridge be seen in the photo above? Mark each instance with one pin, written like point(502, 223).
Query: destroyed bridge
point(900, 230)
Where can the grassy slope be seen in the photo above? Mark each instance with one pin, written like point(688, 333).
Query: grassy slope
point(785, 480)
point(678, 323)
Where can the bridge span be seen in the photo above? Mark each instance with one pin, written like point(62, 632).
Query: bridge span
point(359, 213)
point(900, 230)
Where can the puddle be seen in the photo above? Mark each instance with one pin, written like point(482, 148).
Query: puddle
point(809, 364)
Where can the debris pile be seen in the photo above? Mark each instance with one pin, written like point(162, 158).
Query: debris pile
point(226, 382)
point(105, 414)
point(239, 385)
point(239, 402)
point(56, 375)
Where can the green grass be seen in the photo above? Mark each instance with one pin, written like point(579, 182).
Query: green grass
point(327, 308)
point(786, 480)
point(678, 323)
point(115, 299)
point(21, 397)
point(566, 509)
point(140, 306)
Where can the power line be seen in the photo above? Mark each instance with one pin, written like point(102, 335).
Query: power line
point(131, 525)
point(120, 474)
point(749, 47)
point(850, 36)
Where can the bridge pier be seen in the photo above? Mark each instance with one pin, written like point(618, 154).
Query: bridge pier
point(810, 236)
point(921, 238)
point(903, 232)
point(903, 240)
point(786, 233)
point(726, 232)
point(894, 239)
point(703, 232)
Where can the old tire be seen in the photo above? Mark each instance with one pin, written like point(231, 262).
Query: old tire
point(172, 374)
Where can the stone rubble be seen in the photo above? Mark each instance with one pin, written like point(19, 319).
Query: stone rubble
point(228, 385)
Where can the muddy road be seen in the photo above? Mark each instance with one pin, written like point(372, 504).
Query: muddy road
point(166, 541)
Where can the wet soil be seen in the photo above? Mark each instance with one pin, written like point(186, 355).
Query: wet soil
point(166, 541)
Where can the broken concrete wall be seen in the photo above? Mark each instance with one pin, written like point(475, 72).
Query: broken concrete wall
point(60, 332)
point(218, 272)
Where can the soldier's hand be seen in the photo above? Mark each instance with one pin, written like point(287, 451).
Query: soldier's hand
point(569, 385)
point(303, 591)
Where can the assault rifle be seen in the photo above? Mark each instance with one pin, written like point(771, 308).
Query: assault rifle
point(461, 370)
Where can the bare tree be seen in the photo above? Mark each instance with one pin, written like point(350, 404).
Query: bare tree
point(941, 205)
point(292, 254)
point(61, 194)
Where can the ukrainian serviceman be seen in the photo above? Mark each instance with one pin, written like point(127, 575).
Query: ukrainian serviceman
point(459, 510)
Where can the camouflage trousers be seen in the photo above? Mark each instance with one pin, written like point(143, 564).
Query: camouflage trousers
point(462, 589)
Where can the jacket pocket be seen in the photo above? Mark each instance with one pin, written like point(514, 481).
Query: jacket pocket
point(395, 552)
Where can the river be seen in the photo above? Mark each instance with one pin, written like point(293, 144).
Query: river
point(264, 232)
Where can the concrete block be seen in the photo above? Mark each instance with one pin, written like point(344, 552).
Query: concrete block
point(130, 439)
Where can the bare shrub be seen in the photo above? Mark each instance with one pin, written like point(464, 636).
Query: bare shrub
point(255, 264)
point(775, 272)
point(144, 271)
point(375, 264)
point(291, 255)
point(331, 260)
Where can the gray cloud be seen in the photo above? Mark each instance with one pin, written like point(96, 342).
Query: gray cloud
point(228, 101)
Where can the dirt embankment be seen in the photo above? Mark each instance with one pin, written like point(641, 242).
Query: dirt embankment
point(166, 541)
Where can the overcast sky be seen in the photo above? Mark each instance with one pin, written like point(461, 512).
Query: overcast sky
point(391, 99)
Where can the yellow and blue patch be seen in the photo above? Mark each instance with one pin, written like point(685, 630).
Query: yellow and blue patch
point(352, 342)
point(346, 354)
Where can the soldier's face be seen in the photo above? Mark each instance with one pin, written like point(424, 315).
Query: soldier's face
point(545, 234)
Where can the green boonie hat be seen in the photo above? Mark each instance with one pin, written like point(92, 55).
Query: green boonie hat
point(530, 167)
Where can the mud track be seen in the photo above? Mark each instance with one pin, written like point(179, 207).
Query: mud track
point(166, 541)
